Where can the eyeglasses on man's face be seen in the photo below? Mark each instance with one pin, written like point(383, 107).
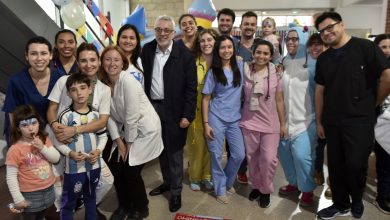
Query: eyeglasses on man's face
point(328, 28)
point(163, 30)
point(292, 39)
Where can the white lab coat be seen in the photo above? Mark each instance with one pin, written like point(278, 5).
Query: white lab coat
point(134, 119)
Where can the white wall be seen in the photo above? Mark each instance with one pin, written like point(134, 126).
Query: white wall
point(118, 9)
point(362, 17)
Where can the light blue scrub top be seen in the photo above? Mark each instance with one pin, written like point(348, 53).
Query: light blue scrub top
point(226, 100)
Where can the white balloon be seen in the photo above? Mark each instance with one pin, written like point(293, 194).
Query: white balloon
point(73, 14)
point(61, 2)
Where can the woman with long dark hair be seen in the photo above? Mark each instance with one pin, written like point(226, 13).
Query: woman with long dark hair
point(130, 43)
point(221, 117)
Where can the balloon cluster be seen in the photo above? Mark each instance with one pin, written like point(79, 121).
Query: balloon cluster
point(72, 12)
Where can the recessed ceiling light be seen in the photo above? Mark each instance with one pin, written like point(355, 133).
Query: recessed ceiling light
point(264, 12)
point(294, 12)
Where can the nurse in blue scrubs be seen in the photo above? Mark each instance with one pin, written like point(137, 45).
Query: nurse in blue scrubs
point(33, 84)
point(221, 104)
point(64, 59)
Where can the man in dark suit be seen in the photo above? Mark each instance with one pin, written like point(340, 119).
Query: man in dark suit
point(170, 84)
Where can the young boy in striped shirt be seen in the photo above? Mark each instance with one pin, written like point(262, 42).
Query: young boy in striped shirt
point(82, 164)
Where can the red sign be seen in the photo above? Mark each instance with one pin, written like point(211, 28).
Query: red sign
point(181, 216)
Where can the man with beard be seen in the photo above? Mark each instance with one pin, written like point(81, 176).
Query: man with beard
point(244, 50)
point(248, 28)
point(226, 17)
point(352, 76)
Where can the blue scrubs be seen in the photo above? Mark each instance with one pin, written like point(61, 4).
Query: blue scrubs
point(57, 66)
point(21, 90)
point(224, 117)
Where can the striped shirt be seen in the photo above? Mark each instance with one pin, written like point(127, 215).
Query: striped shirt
point(84, 143)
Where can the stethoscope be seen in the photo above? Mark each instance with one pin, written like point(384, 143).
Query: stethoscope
point(268, 76)
point(199, 64)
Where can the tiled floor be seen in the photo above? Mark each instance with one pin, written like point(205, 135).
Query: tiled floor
point(204, 203)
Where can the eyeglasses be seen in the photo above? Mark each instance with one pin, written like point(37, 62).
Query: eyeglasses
point(328, 28)
point(165, 30)
point(293, 39)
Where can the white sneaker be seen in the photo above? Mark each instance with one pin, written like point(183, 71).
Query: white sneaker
point(223, 199)
point(231, 190)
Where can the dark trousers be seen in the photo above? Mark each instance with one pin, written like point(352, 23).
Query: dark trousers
point(128, 183)
point(348, 150)
point(382, 172)
point(171, 158)
point(319, 161)
point(75, 186)
point(243, 166)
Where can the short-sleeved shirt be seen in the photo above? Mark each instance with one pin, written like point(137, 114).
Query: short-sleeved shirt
point(350, 75)
point(57, 66)
point(34, 171)
point(245, 53)
point(266, 119)
point(85, 142)
point(21, 90)
point(226, 101)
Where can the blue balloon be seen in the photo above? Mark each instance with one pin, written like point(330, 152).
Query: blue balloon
point(203, 9)
point(138, 19)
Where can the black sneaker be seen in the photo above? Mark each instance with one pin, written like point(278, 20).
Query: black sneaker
point(254, 194)
point(119, 214)
point(331, 212)
point(357, 209)
point(383, 205)
point(138, 215)
point(264, 201)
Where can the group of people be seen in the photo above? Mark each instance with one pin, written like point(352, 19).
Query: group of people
point(208, 91)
